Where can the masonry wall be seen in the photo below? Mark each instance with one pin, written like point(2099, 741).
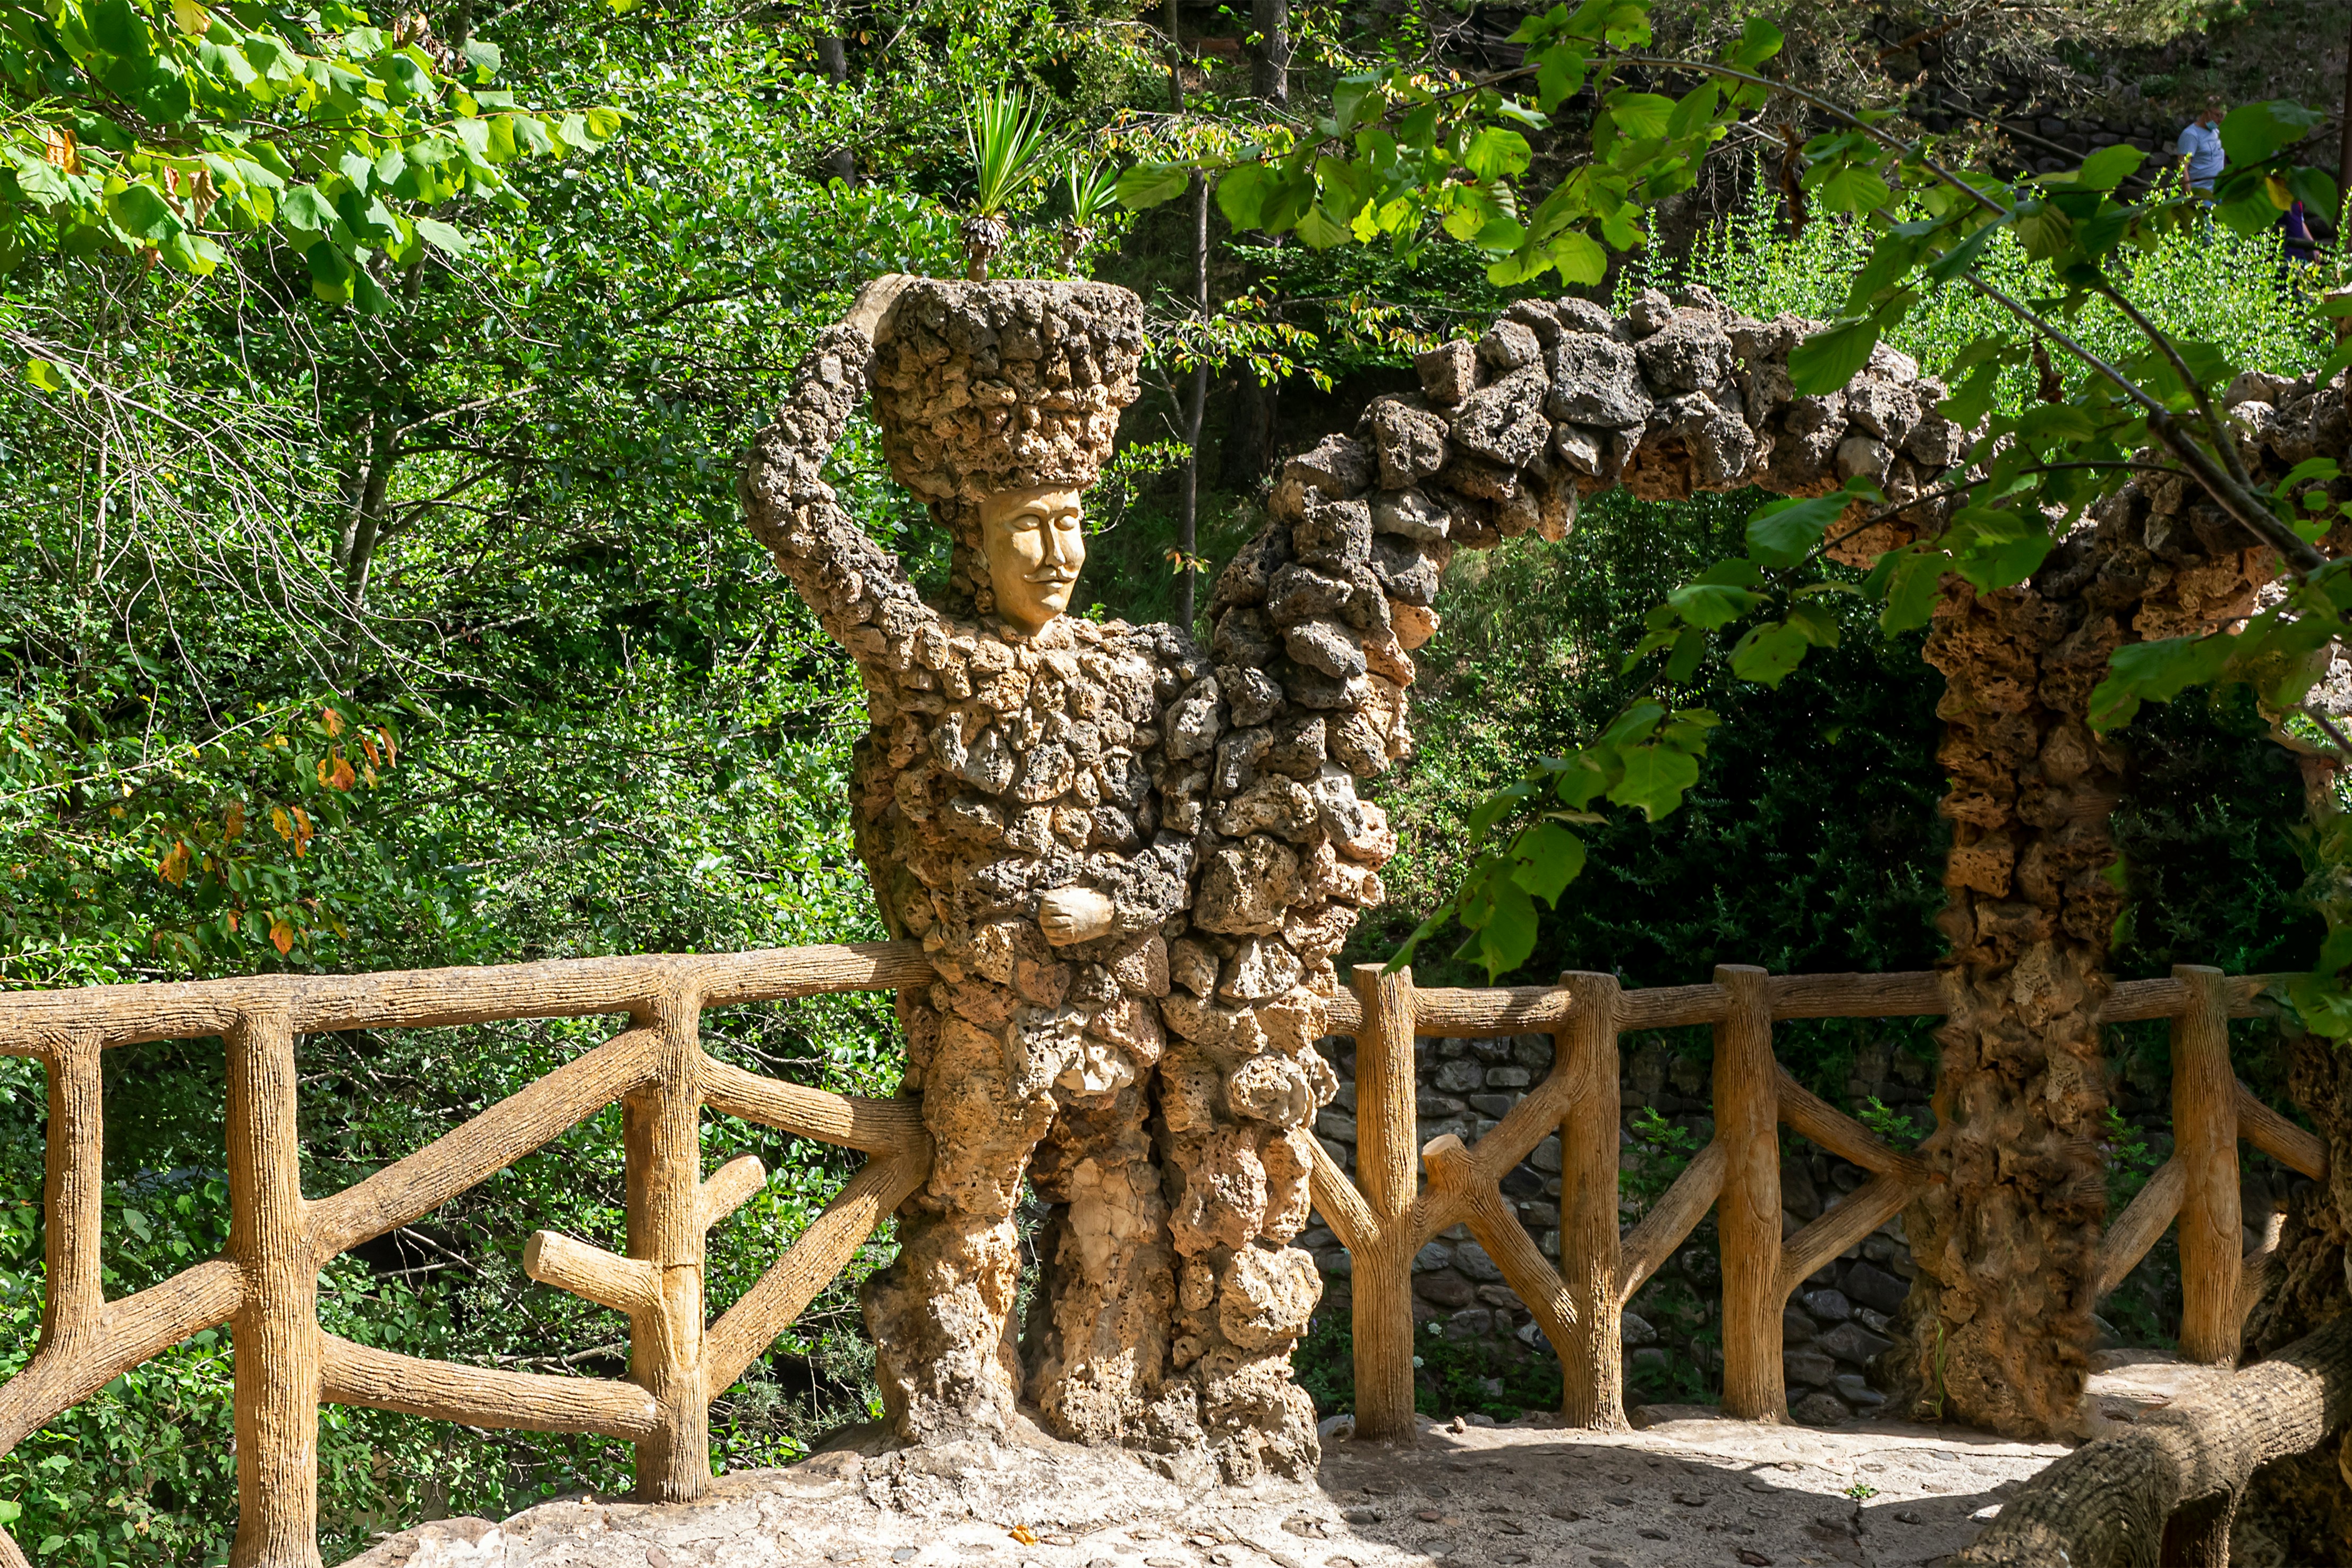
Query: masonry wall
point(1834, 1322)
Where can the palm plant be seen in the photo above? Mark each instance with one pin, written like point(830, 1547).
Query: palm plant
point(1008, 139)
point(1093, 192)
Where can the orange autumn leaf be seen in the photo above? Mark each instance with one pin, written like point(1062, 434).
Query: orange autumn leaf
point(277, 820)
point(232, 922)
point(232, 821)
point(303, 832)
point(281, 936)
point(367, 744)
point(334, 773)
point(174, 867)
point(331, 719)
point(391, 747)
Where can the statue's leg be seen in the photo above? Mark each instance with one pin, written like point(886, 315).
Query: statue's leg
point(1239, 1194)
point(940, 1314)
point(1098, 1348)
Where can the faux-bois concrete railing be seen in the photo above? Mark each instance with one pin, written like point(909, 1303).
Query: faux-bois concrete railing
point(1385, 1216)
point(264, 1286)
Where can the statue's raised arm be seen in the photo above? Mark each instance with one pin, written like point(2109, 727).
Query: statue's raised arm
point(858, 590)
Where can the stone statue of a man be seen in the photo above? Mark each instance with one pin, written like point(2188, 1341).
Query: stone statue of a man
point(1131, 874)
point(1132, 863)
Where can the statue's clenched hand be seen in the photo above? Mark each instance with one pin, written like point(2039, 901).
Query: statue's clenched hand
point(1067, 915)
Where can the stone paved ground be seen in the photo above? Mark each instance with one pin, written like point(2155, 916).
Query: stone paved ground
point(1687, 1491)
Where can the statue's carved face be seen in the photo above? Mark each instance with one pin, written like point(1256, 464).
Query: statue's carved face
point(1035, 545)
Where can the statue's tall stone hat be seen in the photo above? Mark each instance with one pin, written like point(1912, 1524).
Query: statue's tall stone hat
point(986, 387)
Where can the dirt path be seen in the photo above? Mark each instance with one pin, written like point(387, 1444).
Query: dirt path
point(1688, 1491)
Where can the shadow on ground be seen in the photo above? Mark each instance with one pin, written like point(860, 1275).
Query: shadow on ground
point(1690, 1491)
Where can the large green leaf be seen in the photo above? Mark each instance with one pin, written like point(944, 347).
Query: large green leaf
point(116, 27)
point(1783, 532)
point(1849, 187)
point(2110, 166)
point(2252, 133)
point(1151, 184)
point(1546, 858)
point(1494, 153)
point(142, 213)
point(1656, 777)
point(1641, 116)
point(1579, 257)
point(1825, 361)
point(1769, 652)
point(1241, 195)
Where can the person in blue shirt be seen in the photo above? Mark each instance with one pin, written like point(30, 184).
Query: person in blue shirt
point(2201, 145)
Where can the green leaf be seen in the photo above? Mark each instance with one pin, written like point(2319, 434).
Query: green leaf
point(1696, 112)
point(1241, 195)
point(442, 236)
point(1579, 256)
point(1783, 532)
point(1494, 153)
point(1655, 778)
point(1151, 184)
point(1759, 41)
point(2110, 166)
point(1819, 627)
point(1908, 581)
point(1968, 405)
point(1690, 646)
point(1349, 95)
point(116, 27)
point(1825, 361)
point(1849, 187)
point(1641, 116)
point(2053, 423)
point(305, 211)
point(1559, 75)
point(483, 56)
point(142, 213)
point(1637, 724)
point(1548, 859)
point(1316, 227)
point(1508, 932)
point(1890, 259)
point(1708, 605)
point(50, 375)
point(10, 1511)
point(2043, 230)
point(2155, 671)
point(2251, 132)
point(1769, 652)
point(1961, 257)
point(330, 272)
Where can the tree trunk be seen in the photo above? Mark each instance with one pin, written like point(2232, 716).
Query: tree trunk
point(1251, 439)
point(1252, 436)
point(363, 496)
point(1997, 1331)
point(1188, 516)
point(839, 163)
point(1270, 59)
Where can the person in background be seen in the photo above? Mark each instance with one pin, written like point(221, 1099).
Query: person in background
point(2200, 148)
